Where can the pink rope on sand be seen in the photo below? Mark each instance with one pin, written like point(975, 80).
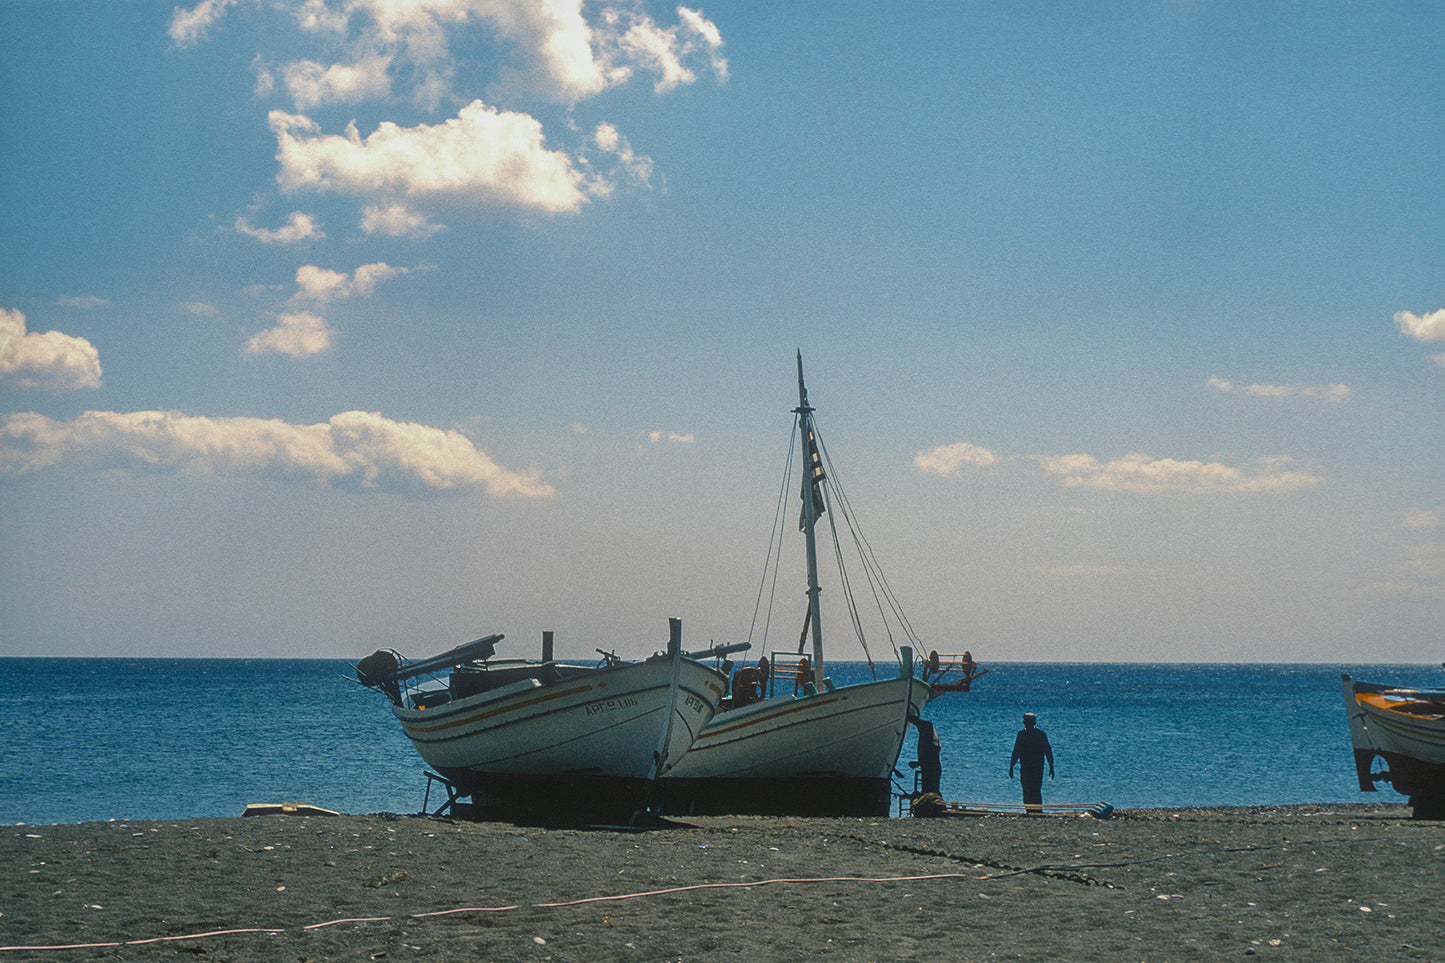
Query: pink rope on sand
point(467, 909)
point(65, 946)
point(503, 909)
point(153, 939)
point(750, 883)
point(199, 936)
point(354, 919)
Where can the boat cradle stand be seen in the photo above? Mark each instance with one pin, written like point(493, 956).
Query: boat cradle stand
point(453, 805)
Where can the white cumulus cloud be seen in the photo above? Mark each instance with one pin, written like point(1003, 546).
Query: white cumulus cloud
point(483, 158)
point(355, 449)
point(1427, 327)
point(312, 84)
point(947, 459)
point(554, 50)
point(297, 334)
point(486, 158)
point(321, 284)
point(51, 360)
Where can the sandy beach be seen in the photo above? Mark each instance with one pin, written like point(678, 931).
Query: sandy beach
point(1298, 883)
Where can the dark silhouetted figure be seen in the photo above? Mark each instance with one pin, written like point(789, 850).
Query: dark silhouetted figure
point(1031, 748)
point(930, 759)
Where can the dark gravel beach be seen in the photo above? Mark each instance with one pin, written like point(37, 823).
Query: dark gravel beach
point(1296, 883)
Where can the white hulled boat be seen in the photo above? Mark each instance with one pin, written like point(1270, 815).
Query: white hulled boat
point(1406, 728)
point(548, 735)
point(813, 748)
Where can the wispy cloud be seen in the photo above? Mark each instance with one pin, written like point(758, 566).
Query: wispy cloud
point(671, 438)
point(1418, 575)
point(633, 40)
point(355, 449)
point(396, 220)
point(1141, 474)
point(948, 459)
point(188, 27)
point(1135, 473)
point(51, 360)
point(1423, 518)
point(1328, 392)
point(87, 301)
point(634, 168)
point(298, 227)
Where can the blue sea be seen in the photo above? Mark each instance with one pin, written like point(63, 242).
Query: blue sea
point(95, 739)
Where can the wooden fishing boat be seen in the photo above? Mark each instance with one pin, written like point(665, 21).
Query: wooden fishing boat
point(549, 735)
point(1406, 728)
point(787, 740)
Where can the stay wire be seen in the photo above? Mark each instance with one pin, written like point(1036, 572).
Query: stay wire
point(884, 598)
point(773, 562)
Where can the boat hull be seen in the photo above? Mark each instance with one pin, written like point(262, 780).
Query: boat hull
point(825, 753)
point(603, 733)
point(1406, 728)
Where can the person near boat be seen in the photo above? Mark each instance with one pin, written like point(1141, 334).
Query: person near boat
point(1031, 749)
point(930, 757)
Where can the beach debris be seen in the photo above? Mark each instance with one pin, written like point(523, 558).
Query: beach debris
point(386, 879)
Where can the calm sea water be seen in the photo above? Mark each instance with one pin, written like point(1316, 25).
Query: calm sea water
point(89, 739)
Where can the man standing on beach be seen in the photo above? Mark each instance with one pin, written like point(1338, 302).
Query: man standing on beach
point(930, 756)
point(1031, 748)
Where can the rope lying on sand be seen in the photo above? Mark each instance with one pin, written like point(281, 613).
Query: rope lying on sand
point(502, 909)
point(1070, 872)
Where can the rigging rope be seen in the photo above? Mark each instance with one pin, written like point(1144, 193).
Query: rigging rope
point(775, 547)
point(881, 591)
point(836, 503)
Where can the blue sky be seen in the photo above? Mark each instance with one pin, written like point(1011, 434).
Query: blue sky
point(337, 324)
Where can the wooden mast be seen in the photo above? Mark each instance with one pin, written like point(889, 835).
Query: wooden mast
point(811, 494)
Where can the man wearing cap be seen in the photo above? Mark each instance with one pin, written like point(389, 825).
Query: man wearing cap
point(1031, 748)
